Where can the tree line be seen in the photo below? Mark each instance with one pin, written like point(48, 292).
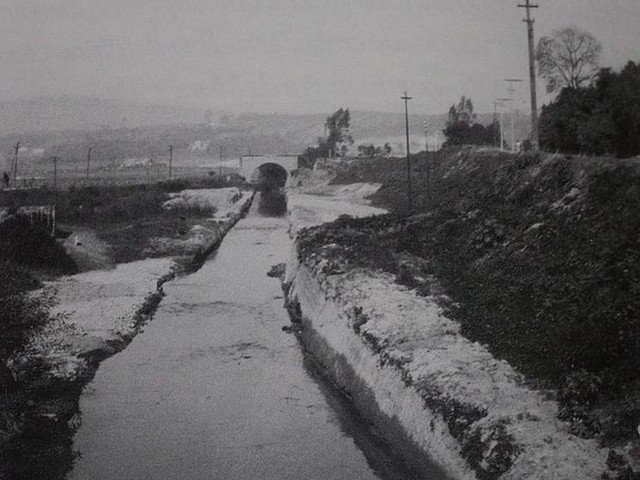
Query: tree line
point(600, 118)
point(596, 110)
point(462, 128)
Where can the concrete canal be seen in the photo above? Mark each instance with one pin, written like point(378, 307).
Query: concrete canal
point(214, 389)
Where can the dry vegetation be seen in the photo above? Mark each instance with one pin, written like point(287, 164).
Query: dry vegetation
point(539, 254)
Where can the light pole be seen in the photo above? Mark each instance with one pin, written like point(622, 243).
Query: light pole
point(406, 99)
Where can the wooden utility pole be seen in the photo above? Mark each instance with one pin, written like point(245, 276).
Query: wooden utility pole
point(220, 162)
point(88, 161)
point(512, 90)
point(501, 100)
point(406, 99)
point(170, 159)
point(498, 119)
point(532, 74)
point(55, 173)
point(15, 164)
point(426, 160)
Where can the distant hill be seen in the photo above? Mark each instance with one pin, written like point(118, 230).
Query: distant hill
point(41, 114)
point(68, 126)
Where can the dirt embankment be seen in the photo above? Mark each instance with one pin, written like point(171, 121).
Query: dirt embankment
point(531, 260)
point(96, 313)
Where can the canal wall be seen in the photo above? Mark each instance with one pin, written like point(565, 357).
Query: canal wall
point(430, 390)
point(94, 315)
point(97, 313)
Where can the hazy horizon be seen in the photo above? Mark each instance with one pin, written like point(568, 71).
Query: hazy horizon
point(290, 56)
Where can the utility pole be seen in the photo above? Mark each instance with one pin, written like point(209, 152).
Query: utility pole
point(170, 159)
point(326, 143)
point(15, 164)
point(406, 99)
point(501, 122)
point(512, 90)
point(532, 74)
point(426, 159)
point(55, 173)
point(498, 119)
point(220, 162)
point(88, 161)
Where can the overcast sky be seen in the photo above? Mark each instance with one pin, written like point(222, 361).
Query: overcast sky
point(290, 55)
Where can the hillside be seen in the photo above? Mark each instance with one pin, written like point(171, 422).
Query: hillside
point(117, 130)
point(538, 255)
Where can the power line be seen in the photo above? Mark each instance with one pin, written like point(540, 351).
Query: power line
point(532, 74)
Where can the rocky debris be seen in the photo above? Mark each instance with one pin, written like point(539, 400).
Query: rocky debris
point(277, 271)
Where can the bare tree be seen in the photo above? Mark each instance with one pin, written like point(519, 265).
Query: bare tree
point(568, 59)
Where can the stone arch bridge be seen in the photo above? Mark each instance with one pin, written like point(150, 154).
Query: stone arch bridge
point(258, 169)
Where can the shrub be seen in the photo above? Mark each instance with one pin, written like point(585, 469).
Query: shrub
point(20, 315)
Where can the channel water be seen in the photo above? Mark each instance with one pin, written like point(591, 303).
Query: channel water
point(213, 388)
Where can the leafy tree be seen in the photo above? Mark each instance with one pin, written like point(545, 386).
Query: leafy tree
point(599, 119)
point(624, 90)
point(374, 151)
point(338, 136)
point(560, 121)
point(568, 59)
point(337, 132)
point(461, 128)
point(368, 150)
point(462, 112)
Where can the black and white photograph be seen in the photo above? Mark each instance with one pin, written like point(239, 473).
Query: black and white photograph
point(332, 240)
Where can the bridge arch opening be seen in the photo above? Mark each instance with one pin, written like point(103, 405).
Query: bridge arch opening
point(269, 180)
point(269, 176)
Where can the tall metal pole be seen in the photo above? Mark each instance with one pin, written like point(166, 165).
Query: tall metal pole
point(170, 159)
point(532, 74)
point(406, 99)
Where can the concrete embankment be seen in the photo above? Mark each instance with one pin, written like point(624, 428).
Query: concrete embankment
point(435, 393)
point(99, 312)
